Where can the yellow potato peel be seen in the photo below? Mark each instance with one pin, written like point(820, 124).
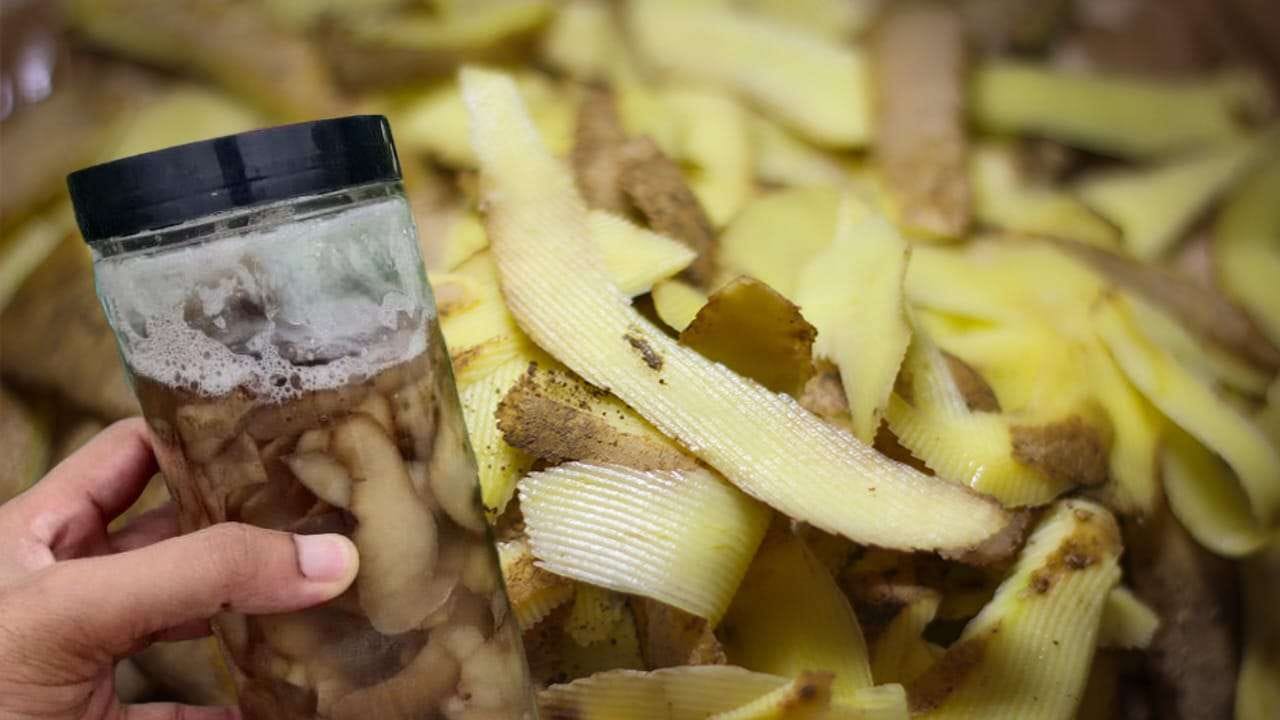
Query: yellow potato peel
point(555, 284)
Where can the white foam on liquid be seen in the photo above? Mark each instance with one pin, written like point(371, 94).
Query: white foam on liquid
point(343, 293)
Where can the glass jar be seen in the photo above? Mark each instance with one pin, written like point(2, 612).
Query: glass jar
point(269, 300)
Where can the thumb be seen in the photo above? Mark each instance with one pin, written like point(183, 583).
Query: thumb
point(122, 600)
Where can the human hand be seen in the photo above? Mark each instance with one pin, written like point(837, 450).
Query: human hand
point(74, 597)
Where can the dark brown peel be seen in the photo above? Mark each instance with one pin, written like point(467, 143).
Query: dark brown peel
point(1025, 25)
point(756, 332)
point(653, 183)
point(597, 142)
point(546, 423)
point(1191, 665)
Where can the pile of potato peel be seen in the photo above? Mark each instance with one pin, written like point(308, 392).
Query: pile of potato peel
point(820, 359)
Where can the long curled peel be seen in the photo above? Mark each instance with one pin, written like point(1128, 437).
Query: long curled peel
point(764, 443)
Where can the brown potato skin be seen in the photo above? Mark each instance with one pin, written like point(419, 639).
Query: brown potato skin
point(755, 331)
point(56, 338)
point(597, 143)
point(670, 637)
point(540, 416)
point(919, 66)
point(654, 185)
point(1190, 668)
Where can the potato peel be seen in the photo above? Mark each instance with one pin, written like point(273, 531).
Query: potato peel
point(1202, 311)
point(500, 465)
point(595, 613)
point(1107, 114)
point(1027, 653)
point(715, 144)
point(1207, 499)
point(837, 19)
point(1153, 206)
point(558, 420)
point(597, 142)
point(1003, 199)
point(804, 697)
point(783, 159)
point(1194, 406)
point(757, 333)
point(753, 243)
point(581, 40)
point(681, 693)
point(671, 637)
point(653, 183)
point(1197, 648)
point(1127, 622)
point(853, 293)
point(1245, 251)
point(206, 39)
point(919, 65)
point(1257, 693)
point(1209, 361)
point(395, 566)
point(684, 538)
point(1019, 463)
point(814, 85)
point(790, 615)
point(532, 591)
point(899, 652)
point(554, 283)
point(555, 656)
point(677, 303)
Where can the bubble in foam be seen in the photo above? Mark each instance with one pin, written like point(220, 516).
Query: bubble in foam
point(169, 342)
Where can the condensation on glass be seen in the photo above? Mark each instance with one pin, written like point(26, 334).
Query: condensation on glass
point(289, 363)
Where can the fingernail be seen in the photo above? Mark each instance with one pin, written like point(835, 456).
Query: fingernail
point(325, 558)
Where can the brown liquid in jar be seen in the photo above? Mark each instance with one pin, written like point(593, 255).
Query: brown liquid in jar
point(424, 632)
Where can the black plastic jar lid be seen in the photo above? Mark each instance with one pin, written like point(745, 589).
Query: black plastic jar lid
point(187, 182)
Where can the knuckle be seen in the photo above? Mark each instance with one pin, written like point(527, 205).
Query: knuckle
point(235, 553)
